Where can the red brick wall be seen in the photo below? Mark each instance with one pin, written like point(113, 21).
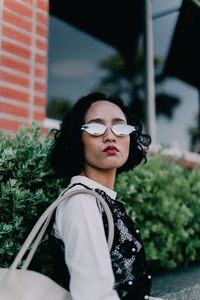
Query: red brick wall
point(23, 61)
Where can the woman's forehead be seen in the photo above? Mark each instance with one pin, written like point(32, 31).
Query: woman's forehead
point(104, 110)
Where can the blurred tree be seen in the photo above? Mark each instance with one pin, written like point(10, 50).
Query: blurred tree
point(125, 78)
point(194, 133)
point(165, 104)
point(57, 108)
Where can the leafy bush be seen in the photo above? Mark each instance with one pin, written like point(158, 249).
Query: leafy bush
point(28, 186)
point(162, 197)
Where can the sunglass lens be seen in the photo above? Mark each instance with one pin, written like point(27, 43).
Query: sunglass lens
point(123, 129)
point(95, 129)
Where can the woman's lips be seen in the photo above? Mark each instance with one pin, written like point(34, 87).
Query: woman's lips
point(111, 150)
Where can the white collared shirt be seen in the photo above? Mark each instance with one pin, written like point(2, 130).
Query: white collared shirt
point(79, 224)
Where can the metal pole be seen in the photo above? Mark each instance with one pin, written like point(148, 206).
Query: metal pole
point(149, 72)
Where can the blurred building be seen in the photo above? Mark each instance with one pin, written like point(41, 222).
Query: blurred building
point(24, 49)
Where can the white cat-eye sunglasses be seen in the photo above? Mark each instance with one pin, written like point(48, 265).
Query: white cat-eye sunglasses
point(99, 129)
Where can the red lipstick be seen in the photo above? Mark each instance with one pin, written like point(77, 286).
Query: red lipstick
point(111, 150)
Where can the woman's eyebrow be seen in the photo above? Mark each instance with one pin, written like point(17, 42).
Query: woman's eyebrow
point(119, 120)
point(99, 120)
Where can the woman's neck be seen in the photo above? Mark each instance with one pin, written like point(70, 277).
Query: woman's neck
point(103, 177)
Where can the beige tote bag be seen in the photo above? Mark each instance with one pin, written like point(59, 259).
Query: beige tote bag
point(23, 284)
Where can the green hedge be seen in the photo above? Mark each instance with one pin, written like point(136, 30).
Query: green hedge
point(162, 197)
point(28, 186)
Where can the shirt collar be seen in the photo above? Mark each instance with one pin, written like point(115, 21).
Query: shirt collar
point(93, 184)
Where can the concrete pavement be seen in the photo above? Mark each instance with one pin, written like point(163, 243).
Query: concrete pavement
point(181, 284)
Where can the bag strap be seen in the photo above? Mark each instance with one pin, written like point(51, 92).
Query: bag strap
point(41, 225)
point(36, 244)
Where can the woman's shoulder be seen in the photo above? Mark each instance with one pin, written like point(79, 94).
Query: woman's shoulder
point(75, 209)
point(75, 199)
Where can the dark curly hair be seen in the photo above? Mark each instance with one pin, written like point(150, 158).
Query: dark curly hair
point(67, 153)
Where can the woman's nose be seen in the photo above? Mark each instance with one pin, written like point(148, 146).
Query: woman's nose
point(109, 135)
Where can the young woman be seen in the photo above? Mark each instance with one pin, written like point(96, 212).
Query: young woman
point(97, 140)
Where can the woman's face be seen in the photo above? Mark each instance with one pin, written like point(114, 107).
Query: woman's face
point(97, 153)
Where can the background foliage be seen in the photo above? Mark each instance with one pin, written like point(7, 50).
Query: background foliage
point(162, 197)
point(28, 186)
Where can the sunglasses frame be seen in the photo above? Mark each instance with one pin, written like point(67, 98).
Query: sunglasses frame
point(84, 127)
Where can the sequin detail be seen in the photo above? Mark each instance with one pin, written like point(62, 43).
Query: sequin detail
point(129, 266)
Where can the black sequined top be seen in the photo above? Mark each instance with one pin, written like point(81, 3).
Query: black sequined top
point(132, 279)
